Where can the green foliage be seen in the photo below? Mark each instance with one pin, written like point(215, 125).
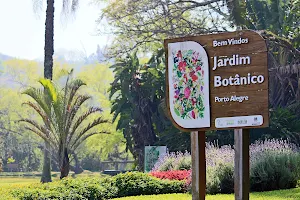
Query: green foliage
point(225, 175)
point(10, 160)
point(127, 184)
point(277, 16)
point(284, 123)
point(220, 179)
point(136, 94)
point(26, 147)
point(275, 171)
point(85, 188)
point(173, 162)
point(146, 23)
point(65, 123)
point(15, 141)
point(132, 184)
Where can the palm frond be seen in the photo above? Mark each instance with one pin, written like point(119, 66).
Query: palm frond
point(41, 112)
point(49, 89)
point(38, 96)
point(58, 111)
point(74, 86)
point(42, 135)
point(41, 128)
point(80, 141)
point(53, 99)
point(44, 132)
point(82, 118)
point(72, 109)
point(65, 96)
point(95, 123)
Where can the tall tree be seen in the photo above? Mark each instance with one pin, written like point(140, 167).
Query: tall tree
point(65, 123)
point(281, 21)
point(136, 94)
point(145, 23)
point(48, 63)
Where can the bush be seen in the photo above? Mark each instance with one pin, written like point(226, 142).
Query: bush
point(274, 164)
point(275, 170)
point(225, 175)
point(220, 179)
point(136, 183)
point(172, 175)
point(127, 184)
point(85, 188)
point(174, 161)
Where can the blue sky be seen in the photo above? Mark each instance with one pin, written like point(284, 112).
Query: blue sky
point(22, 30)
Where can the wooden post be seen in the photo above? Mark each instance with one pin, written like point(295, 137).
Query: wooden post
point(198, 165)
point(241, 164)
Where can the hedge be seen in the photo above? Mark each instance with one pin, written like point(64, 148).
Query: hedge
point(128, 184)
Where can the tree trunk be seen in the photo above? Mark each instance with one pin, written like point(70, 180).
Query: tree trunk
point(49, 46)
point(48, 67)
point(46, 176)
point(77, 169)
point(64, 163)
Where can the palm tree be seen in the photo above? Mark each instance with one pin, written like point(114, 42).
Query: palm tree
point(48, 64)
point(64, 120)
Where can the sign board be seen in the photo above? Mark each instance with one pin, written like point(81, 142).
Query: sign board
point(217, 81)
point(152, 154)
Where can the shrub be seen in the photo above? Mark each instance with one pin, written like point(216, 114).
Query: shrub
point(225, 175)
point(174, 161)
point(274, 164)
point(182, 161)
point(172, 175)
point(127, 184)
point(80, 188)
point(136, 183)
point(220, 179)
point(274, 170)
point(212, 181)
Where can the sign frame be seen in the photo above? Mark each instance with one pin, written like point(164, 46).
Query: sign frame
point(258, 50)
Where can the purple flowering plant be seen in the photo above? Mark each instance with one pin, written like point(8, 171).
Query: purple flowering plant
point(216, 155)
point(266, 158)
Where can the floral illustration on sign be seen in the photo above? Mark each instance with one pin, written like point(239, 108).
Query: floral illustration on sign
point(188, 80)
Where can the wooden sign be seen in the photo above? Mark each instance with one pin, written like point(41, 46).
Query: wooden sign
point(217, 81)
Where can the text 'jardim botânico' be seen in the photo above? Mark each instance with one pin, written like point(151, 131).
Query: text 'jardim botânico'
point(234, 60)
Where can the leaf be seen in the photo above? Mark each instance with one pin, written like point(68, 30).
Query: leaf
point(177, 112)
point(49, 87)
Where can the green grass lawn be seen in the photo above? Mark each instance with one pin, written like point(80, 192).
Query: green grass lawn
point(8, 183)
point(292, 194)
point(13, 181)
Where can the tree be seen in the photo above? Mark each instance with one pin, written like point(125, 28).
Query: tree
point(145, 23)
point(64, 123)
point(136, 94)
point(280, 22)
point(48, 63)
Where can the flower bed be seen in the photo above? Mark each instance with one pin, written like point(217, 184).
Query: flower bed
point(274, 164)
